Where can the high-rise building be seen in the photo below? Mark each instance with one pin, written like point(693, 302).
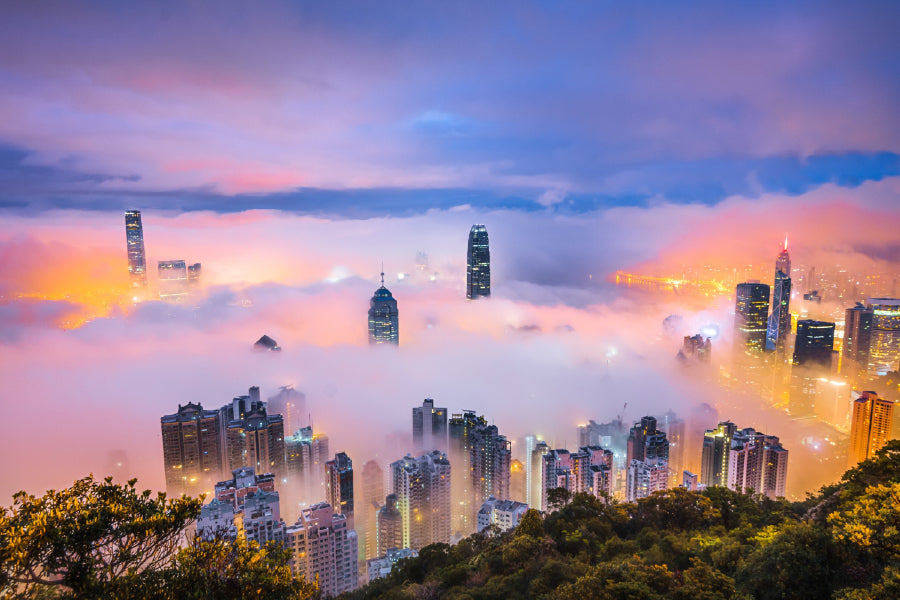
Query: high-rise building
point(537, 487)
point(193, 275)
point(134, 238)
point(858, 323)
point(478, 263)
point(750, 316)
point(716, 449)
point(339, 482)
point(305, 456)
point(870, 426)
point(813, 359)
point(676, 434)
point(884, 348)
point(490, 462)
point(696, 347)
point(192, 449)
point(647, 460)
point(291, 405)
point(173, 279)
point(757, 462)
point(384, 321)
point(389, 526)
point(814, 343)
point(246, 505)
point(372, 497)
point(257, 440)
point(324, 549)
point(589, 470)
point(779, 326)
point(422, 487)
point(460, 428)
point(429, 427)
point(517, 482)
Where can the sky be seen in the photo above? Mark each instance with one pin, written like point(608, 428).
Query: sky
point(294, 147)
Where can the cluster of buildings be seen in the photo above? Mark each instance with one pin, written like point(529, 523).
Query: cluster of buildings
point(177, 279)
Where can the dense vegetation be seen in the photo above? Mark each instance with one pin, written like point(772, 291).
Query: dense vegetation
point(105, 540)
point(841, 543)
point(98, 539)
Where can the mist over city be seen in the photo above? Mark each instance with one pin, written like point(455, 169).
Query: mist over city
point(616, 240)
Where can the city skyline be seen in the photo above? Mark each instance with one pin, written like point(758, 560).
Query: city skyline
point(629, 181)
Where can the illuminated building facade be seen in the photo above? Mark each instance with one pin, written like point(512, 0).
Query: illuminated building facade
point(647, 460)
point(716, 447)
point(134, 239)
point(858, 323)
point(324, 549)
point(339, 485)
point(193, 275)
point(870, 427)
point(751, 309)
point(384, 320)
point(246, 505)
point(814, 344)
point(478, 263)
point(589, 470)
point(372, 497)
point(779, 326)
point(257, 441)
point(389, 526)
point(192, 449)
point(376, 568)
point(884, 350)
point(490, 461)
point(422, 487)
point(173, 279)
point(429, 427)
point(460, 428)
point(757, 462)
point(536, 490)
point(517, 484)
point(291, 405)
point(305, 456)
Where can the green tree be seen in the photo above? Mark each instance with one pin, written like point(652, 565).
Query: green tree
point(85, 536)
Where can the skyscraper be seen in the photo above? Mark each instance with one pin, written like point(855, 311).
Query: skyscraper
point(422, 487)
point(716, 448)
point(478, 263)
point(384, 320)
point(858, 323)
point(372, 497)
point(490, 464)
point(257, 440)
point(814, 344)
point(429, 427)
point(191, 449)
point(339, 482)
point(780, 319)
point(750, 311)
point(870, 426)
point(324, 548)
point(173, 279)
point(884, 349)
point(647, 460)
point(134, 238)
point(290, 404)
point(389, 526)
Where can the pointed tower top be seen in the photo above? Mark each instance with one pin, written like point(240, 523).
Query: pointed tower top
point(785, 242)
point(382, 273)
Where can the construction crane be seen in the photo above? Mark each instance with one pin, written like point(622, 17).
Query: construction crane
point(622, 414)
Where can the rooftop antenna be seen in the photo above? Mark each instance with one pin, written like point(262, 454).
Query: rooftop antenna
point(382, 273)
point(785, 242)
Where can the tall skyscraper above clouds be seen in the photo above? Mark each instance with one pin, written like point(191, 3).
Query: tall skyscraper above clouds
point(478, 263)
point(384, 320)
point(134, 237)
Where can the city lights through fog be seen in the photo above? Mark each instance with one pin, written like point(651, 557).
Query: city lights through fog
point(556, 232)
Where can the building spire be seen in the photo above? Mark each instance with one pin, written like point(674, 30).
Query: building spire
point(785, 242)
point(382, 273)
